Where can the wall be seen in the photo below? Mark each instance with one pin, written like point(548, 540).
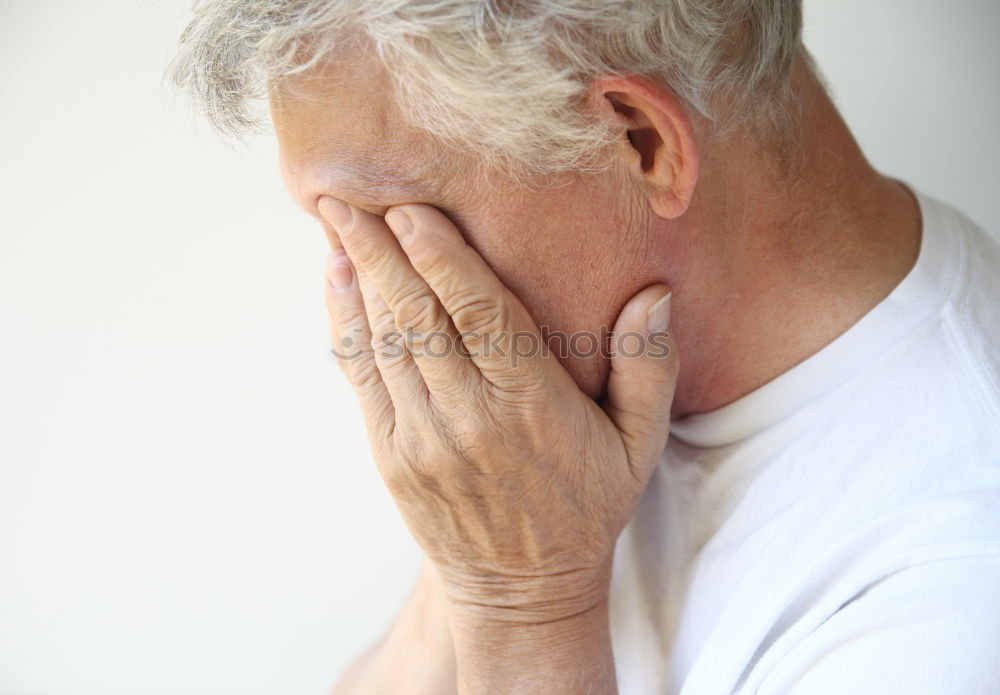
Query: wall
point(187, 505)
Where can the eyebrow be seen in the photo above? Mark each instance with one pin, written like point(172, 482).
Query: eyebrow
point(372, 181)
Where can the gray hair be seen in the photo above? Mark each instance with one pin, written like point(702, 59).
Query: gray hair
point(503, 79)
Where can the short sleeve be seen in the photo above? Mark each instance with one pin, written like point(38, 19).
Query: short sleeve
point(931, 629)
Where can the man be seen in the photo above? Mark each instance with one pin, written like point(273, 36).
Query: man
point(780, 471)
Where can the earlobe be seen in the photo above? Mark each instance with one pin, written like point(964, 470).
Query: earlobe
point(658, 143)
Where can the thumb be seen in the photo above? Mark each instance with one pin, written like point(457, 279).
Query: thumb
point(644, 363)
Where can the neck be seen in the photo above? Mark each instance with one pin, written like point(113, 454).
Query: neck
point(778, 256)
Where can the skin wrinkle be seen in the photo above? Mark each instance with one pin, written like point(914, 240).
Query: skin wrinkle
point(377, 192)
point(771, 247)
point(313, 161)
point(768, 261)
point(777, 254)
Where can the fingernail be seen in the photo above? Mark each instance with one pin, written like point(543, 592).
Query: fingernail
point(399, 222)
point(336, 212)
point(338, 270)
point(658, 318)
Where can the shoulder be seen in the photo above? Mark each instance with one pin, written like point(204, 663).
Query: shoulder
point(972, 313)
point(931, 628)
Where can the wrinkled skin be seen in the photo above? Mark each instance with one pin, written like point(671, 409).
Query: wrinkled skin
point(508, 475)
point(573, 252)
point(516, 480)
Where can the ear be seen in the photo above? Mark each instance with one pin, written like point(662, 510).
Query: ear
point(659, 144)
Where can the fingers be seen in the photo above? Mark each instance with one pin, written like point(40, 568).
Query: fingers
point(400, 375)
point(344, 348)
point(352, 344)
point(492, 322)
point(644, 368)
point(411, 315)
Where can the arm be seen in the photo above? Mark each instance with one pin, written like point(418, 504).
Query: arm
point(571, 655)
point(416, 655)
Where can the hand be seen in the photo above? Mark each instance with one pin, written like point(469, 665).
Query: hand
point(514, 482)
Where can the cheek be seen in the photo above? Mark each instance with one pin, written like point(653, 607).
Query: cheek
point(573, 266)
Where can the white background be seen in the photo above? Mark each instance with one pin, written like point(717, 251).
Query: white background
point(187, 505)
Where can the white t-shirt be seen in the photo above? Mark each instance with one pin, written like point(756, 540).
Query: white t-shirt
point(836, 531)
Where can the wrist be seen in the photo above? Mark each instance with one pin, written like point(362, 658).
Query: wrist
point(499, 653)
point(507, 599)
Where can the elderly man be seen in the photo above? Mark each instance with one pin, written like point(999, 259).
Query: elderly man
point(678, 393)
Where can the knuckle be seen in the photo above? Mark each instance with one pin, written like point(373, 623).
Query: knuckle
point(422, 473)
point(419, 310)
point(379, 318)
point(373, 257)
point(433, 260)
point(512, 391)
point(475, 441)
point(413, 467)
point(396, 481)
point(383, 337)
point(364, 375)
point(453, 398)
point(382, 321)
point(383, 328)
point(472, 436)
point(384, 431)
point(389, 347)
point(478, 313)
point(350, 319)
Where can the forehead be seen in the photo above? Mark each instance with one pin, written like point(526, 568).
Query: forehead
point(339, 127)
